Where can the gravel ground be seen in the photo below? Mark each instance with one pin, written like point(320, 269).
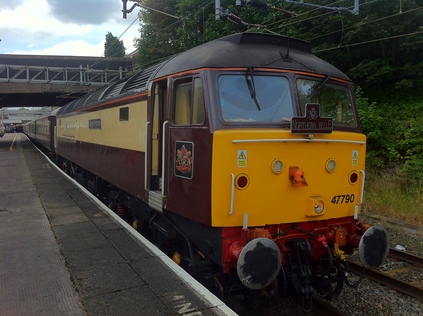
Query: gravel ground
point(371, 298)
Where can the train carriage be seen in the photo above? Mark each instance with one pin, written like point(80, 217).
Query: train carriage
point(244, 154)
point(45, 131)
point(42, 131)
point(29, 129)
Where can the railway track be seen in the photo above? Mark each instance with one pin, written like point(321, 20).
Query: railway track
point(389, 278)
point(404, 256)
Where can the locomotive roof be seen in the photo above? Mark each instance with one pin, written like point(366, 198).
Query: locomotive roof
point(238, 50)
point(251, 50)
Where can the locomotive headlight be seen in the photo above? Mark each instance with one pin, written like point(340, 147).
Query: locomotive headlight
point(319, 206)
point(277, 166)
point(316, 206)
point(330, 165)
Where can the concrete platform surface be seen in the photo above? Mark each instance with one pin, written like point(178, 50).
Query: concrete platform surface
point(61, 253)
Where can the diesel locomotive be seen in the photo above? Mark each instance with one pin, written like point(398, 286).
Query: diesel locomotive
point(242, 158)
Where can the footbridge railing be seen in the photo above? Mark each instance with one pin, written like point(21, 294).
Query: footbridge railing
point(60, 75)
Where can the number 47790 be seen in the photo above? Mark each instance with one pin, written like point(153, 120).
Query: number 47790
point(344, 198)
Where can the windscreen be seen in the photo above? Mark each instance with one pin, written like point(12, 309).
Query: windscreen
point(335, 100)
point(255, 98)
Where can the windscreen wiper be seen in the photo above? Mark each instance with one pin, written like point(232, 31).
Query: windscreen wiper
point(249, 78)
point(321, 84)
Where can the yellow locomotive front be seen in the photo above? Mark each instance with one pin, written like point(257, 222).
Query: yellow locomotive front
point(288, 178)
point(310, 167)
point(274, 177)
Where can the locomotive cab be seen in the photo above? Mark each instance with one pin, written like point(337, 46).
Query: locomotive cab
point(263, 156)
point(271, 163)
point(294, 173)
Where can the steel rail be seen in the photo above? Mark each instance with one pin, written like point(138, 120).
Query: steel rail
point(404, 256)
point(389, 281)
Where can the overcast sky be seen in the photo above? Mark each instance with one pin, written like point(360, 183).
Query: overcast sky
point(63, 27)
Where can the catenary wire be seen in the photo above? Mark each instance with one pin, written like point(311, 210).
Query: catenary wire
point(368, 22)
point(367, 42)
point(361, 24)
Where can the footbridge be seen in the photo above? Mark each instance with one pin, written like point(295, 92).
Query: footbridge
point(36, 81)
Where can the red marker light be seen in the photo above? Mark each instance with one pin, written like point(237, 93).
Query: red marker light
point(242, 181)
point(353, 177)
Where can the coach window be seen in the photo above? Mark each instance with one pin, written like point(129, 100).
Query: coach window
point(124, 114)
point(189, 102)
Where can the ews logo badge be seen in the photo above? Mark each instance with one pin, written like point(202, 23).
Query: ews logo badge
point(184, 163)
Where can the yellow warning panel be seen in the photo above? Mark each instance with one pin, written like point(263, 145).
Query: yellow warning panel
point(242, 159)
point(355, 157)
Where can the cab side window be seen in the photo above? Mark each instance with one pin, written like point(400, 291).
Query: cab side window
point(189, 102)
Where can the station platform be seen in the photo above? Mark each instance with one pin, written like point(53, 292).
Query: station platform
point(63, 253)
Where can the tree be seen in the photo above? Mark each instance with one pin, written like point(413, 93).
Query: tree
point(194, 23)
point(113, 47)
point(378, 49)
point(158, 38)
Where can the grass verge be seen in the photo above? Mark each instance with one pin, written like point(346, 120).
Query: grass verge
point(387, 195)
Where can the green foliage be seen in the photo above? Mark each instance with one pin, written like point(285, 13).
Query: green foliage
point(113, 47)
point(372, 123)
point(387, 195)
point(158, 32)
point(394, 134)
point(377, 49)
point(410, 143)
point(163, 36)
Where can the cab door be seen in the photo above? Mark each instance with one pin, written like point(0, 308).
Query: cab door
point(155, 155)
point(189, 146)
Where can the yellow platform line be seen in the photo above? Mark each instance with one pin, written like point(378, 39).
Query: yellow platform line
point(11, 146)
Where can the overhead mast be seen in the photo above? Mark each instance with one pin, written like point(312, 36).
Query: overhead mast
point(137, 3)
